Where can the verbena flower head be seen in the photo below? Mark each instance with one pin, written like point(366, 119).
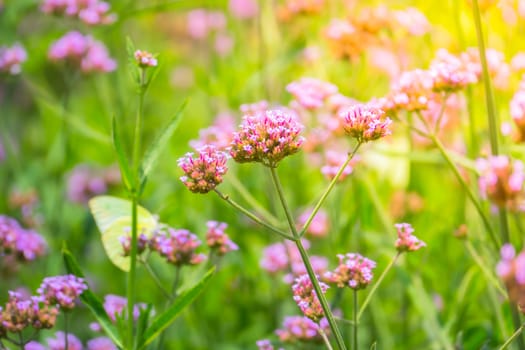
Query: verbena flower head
point(365, 122)
point(204, 172)
point(267, 137)
point(354, 271)
point(217, 239)
point(91, 12)
point(450, 73)
point(22, 244)
point(58, 342)
point(511, 269)
point(177, 246)
point(307, 299)
point(101, 343)
point(264, 344)
point(311, 93)
point(116, 305)
point(302, 329)
point(11, 59)
point(142, 244)
point(62, 290)
point(501, 181)
point(145, 59)
point(406, 241)
point(21, 312)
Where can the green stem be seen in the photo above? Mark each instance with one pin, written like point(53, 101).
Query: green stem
point(328, 190)
point(175, 283)
point(487, 272)
point(252, 216)
point(138, 122)
point(21, 340)
point(376, 285)
point(512, 337)
point(306, 260)
point(155, 279)
point(355, 320)
point(66, 340)
point(323, 335)
point(467, 189)
point(133, 269)
point(445, 96)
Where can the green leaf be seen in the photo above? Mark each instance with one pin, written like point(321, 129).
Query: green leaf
point(113, 218)
point(152, 153)
point(91, 300)
point(121, 156)
point(162, 321)
point(142, 324)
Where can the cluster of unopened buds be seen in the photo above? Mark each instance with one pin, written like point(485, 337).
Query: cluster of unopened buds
point(145, 59)
point(11, 59)
point(354, 271)
point(366, 122)
point(18, 243)
point(306, 298)
point(406, 241)
point(204, 172)
point(82, 52)
point(91, 12)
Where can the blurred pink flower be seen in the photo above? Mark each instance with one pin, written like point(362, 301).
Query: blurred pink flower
point(413, 21)
point(145, 59)
point(219, 134)
point(406, 241)
point(511, 269)
point(101, 343)
point(91, 12)
point(243, 9)
point(217, 239)
point(311, 93)
point(11, 59)
point(223, 44)
point(301, 329)
point(58, 343)
point(320, 224)
point(333, 162)
point(354, 271)
point(202, 22)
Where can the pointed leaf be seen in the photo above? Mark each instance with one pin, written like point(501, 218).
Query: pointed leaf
point(156, 147)
point(90, 299)
point(125, 171)
point(162, 321)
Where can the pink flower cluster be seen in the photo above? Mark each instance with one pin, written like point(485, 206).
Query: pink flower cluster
point(354, 271)
point(219, 134)
point(145, 59)
point(517, 112)
point(116, 305)
point(333, 162)
point(82, 52)
point(18, 243)
point(11, 59)
point(307, 299)
point(311, 93)
point(204, 173)
point(267, 137)
point(265, 344)
point(91, 12)
point(178, 247)
point(511, 269)
point(243, 9)
point(202, 24)
point(217, 239)
point(285, 257)
point(62, 291)
point(406, 241)
point(501, 181)
point(450, 73)
point(58, 341)
point(365, 122)
point(84, 182)
point(302, 329)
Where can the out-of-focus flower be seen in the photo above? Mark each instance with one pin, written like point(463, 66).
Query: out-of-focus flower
point(62, 290)
point(267, 137)
point(204, 173)
point(346, 41)
point(142, 244)
point(11, 59)
point(202, 22)
point(58, 343)
point(501, 181)
point(292, 8)
point(82, 52)
point(412, 20)
point(307, 299)
point(354, 271)
point(517, 112)
point(177, 246)
point(85, 182)
point(365, 122)
point(91, 12)
point(277, 256)
point(223, 44)
point(518, 62)
point(333, 162)
point(217, 239)
point(406, 241)
point(511, 269)
point(21, 312)
point(116, 305)
point(33, 345)
point(254, 108)
point(2, 151)
point(26, 201)
point(243, 9)
point(297, 268)
point(145, 59)
point(411, 91)
point(450, 73)
point(101, 343)
point(403, 203)
point(219, 134)
point(320, 224)
point(302, 329)
point(499, 70)
point(311, 93)
point(24, 245)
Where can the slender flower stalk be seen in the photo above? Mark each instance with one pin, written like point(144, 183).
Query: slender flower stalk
point(515, 335)
point(375, 286)
point(323, 335)
point(356, 321)
point(488, 274)
point(306, 260)
point(155, 279)
point(328, 190)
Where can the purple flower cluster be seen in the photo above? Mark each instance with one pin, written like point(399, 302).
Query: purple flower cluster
point(307, 299)
point(58, 343)
point(145, 59)
point(511, 269)
point(22, 244)
point(20, 313)
point(365, 122)
point(142, 244)
point(115, 305)
point(205, 172)
point(406, 241)
point(267, 137)
point(177, 246)
point(11, 59)
point(302, 329)
point(84, 182)
point(217, 239)
point(62, 290)
point(82, 52)
point(91, 12)
point(354, 271)
point(311, 93)
point(501, 181)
